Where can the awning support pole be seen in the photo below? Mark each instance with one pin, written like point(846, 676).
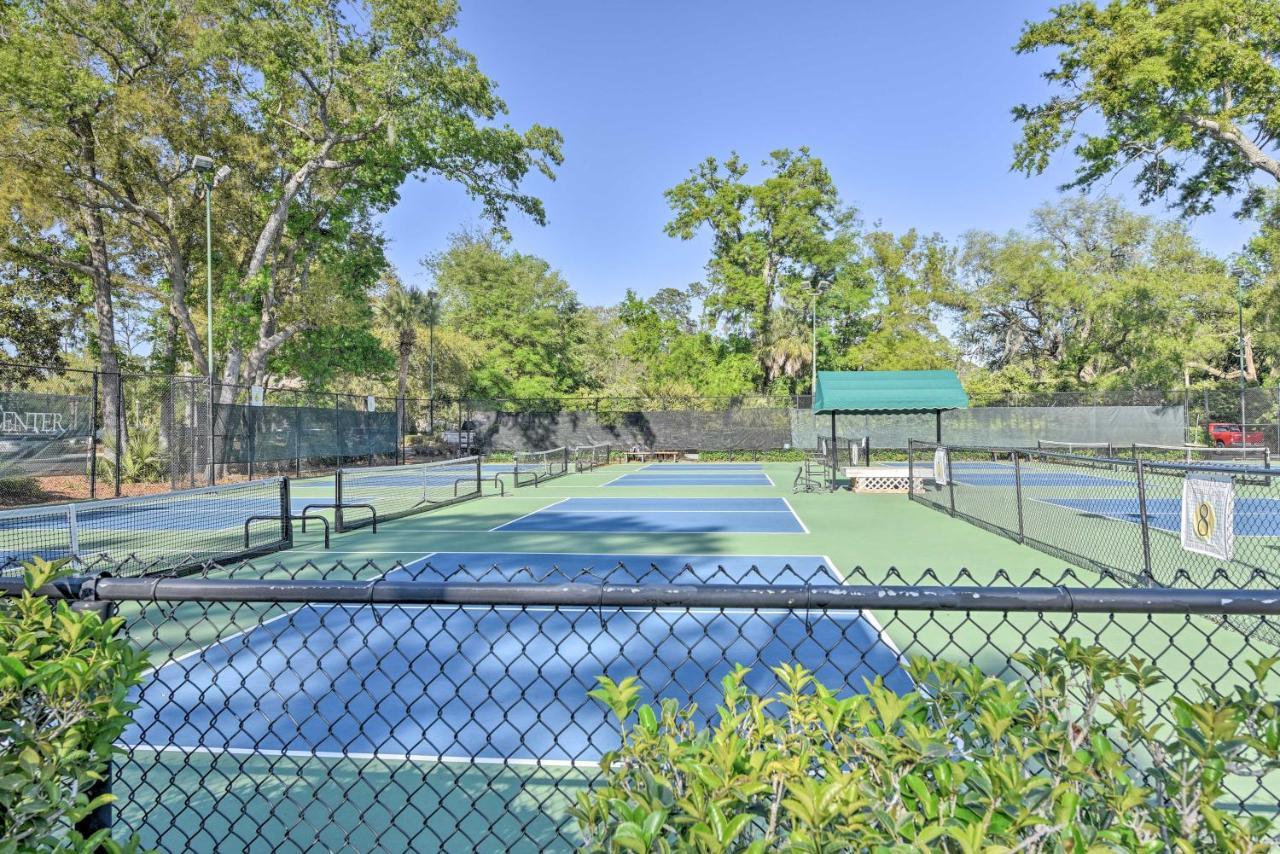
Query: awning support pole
point(835, 455)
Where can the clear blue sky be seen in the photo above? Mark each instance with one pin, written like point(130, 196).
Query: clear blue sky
point(907, 104)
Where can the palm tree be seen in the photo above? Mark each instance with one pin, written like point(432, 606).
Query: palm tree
point(399, 312)
point(786, 351)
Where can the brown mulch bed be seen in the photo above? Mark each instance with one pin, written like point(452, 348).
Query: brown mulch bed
point(20, 492)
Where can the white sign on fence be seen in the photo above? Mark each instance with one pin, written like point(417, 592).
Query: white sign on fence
point(256, 395)
point(1208, 517)
point(370, 403)
point(940, 466)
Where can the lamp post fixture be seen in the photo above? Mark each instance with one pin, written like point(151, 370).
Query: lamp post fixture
point(204, 168)
point(431, 361)
point(1238, 274)
point(819, 285)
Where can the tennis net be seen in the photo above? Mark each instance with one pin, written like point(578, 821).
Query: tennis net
point(1253, 456)
point(588, 457)
point(1083, 449)
point(154, 534)
point(391, 492)
point(537, 466)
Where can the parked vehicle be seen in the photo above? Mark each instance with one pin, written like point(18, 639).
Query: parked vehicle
point(1223, 435)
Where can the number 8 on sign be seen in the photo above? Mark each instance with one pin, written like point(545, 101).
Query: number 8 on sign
point(1205, 518)
point(1208, 517)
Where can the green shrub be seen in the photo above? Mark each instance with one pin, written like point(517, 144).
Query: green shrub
point(64, 676)
point(965, 763)
point(143, 460)
point(776, 455)
point(20, 490)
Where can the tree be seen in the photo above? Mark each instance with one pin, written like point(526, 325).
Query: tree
point(320, 111)
point(1188, 92)
point(914, 278)
point(400, 311)
point(522, 312)
point(37, 305)
point(772, 243)
point(1095, 295)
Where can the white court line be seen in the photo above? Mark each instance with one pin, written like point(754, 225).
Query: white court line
point(527, 515)
point(869, 615)
point(644, 512)
point(636, 531)
point(607, 482)
point(795, 514)
point(245, 631)
point(397, 757)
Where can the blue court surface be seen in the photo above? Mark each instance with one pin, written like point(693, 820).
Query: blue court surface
point(1254, 517)
point(1034, 478)
point(662, 515)
point(505, 684)
point(702, 467)
point(711, 478)
point(529, 567)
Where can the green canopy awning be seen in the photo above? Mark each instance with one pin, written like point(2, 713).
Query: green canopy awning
point(888, 392)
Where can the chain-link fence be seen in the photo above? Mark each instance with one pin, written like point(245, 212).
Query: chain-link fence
point(359, 707)
point(1122, 517)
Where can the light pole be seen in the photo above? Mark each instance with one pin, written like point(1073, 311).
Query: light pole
point(431, 362)
point(1238, 273)
point(209, 178)
point(817, 288)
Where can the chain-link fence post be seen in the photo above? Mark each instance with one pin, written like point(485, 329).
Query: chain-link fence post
point(1144, 521)
point(951, 482)
point(93, 439)
point(1017, 486)
point(119, 428)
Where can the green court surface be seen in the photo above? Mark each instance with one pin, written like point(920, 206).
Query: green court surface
point(208, 798)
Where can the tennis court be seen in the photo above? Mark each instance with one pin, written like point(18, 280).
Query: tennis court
point(463, 722)
point(472, 703)
point(662, 515)
point(710, 478)
point(1254, 517)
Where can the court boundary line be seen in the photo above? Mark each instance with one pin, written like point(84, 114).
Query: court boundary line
point(885, 638)
point(527, 515)
point(1171, 532)
point(336, 755)
point(286, 613)
point(787, 502)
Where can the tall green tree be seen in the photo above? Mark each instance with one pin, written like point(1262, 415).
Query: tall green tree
point(914, 281)
point(1095, 295)
point(401, 311)
point(521, 311)
point(1187, 91)
point(773, 243)
point(321, 111)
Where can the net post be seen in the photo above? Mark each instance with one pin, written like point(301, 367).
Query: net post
point(911, 469)
point(286, 513)
point(93, 439)
point(1144, 522)
point(337, 502)
point(1017, 485)
point(479, 475)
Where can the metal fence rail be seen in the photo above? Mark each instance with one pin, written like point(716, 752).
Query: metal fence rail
point(1118, 516)
point(374, 708)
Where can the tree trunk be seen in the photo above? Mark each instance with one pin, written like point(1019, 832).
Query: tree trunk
point(103, 305)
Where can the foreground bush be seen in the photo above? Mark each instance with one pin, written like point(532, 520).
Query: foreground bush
point(965, 763)
point(63, 680)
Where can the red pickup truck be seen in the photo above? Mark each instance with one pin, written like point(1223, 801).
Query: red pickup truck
point(1223, 435)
